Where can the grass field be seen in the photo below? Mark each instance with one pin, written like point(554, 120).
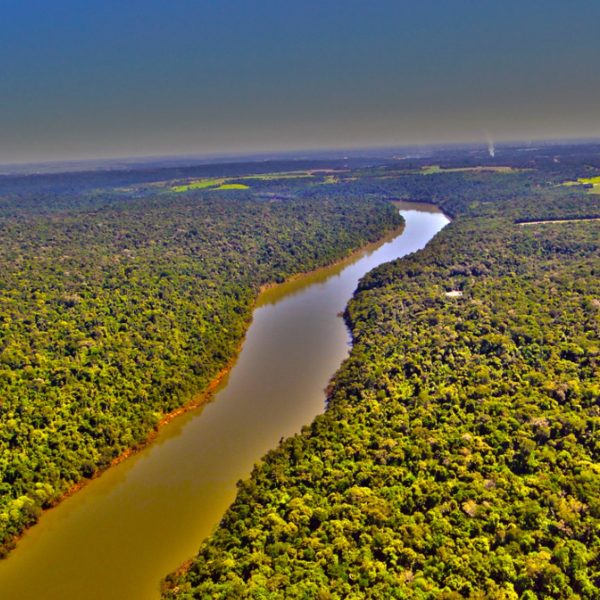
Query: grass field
point(593, 181)
point(201, 184)
point(232, 186)
point(331, 179)
point(209, 184)
point(222, 184)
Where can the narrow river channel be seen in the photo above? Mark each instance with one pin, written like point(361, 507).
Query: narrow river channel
point(123, 532)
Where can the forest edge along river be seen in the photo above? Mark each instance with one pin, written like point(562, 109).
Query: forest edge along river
point(124, 531)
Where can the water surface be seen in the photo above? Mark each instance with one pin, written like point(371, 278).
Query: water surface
point(123, 532)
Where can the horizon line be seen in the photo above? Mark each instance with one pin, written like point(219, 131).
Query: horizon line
point(258, 155)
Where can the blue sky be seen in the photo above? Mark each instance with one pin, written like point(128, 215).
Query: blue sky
point(91, 79)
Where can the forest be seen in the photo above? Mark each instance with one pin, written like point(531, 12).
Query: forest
point(458, 456)
point(118, 306)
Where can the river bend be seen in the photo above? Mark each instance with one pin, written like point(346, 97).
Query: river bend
point(124, 531)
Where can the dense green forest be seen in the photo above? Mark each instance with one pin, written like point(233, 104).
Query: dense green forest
point(116, 309)
point(458, 457)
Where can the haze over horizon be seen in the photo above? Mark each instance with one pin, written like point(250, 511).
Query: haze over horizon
point(155, 78)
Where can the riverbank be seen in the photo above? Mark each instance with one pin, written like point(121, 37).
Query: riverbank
point(458, 445)
point(148, 514)
point(340, 263)
point(204, 396)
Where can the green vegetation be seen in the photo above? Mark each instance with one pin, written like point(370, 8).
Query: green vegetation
point(233, 186)
point(202, 184)
point(459, 454)
point(115, 311)
point(593, 182)
point(222, 184)
point(458, 457)
point(590, 180)
point(212, 184)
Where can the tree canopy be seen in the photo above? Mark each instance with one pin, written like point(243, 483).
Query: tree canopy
point(458, 457)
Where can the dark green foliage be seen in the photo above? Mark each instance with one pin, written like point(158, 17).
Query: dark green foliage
point(112, 316)
point(459, 453)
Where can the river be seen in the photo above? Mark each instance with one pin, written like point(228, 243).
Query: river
point(123, 532)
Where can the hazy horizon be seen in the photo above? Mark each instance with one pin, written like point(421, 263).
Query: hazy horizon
point(107, 80)
point(267, 153)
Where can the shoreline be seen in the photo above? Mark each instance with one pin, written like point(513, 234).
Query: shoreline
point(170, 580)
point(346, 259)
point(205, 395)
point(199, 399)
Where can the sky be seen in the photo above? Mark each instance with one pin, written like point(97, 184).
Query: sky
point(158, 77)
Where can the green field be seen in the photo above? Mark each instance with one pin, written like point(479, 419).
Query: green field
point(329, 179)
point(593, 181)
point(590, 180)
point(201, 184)
point(209, 184)
point(222, 183)
point(233, 186)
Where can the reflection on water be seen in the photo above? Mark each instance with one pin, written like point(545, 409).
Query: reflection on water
point(121, 534)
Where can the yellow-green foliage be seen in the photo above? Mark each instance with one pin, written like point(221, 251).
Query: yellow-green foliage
point(222, 183)
point(201, 184)
point(111, 318)
point(431, 169)
point(232, 186)
point(593, 181)
point(590, 180)
point(458, 455)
